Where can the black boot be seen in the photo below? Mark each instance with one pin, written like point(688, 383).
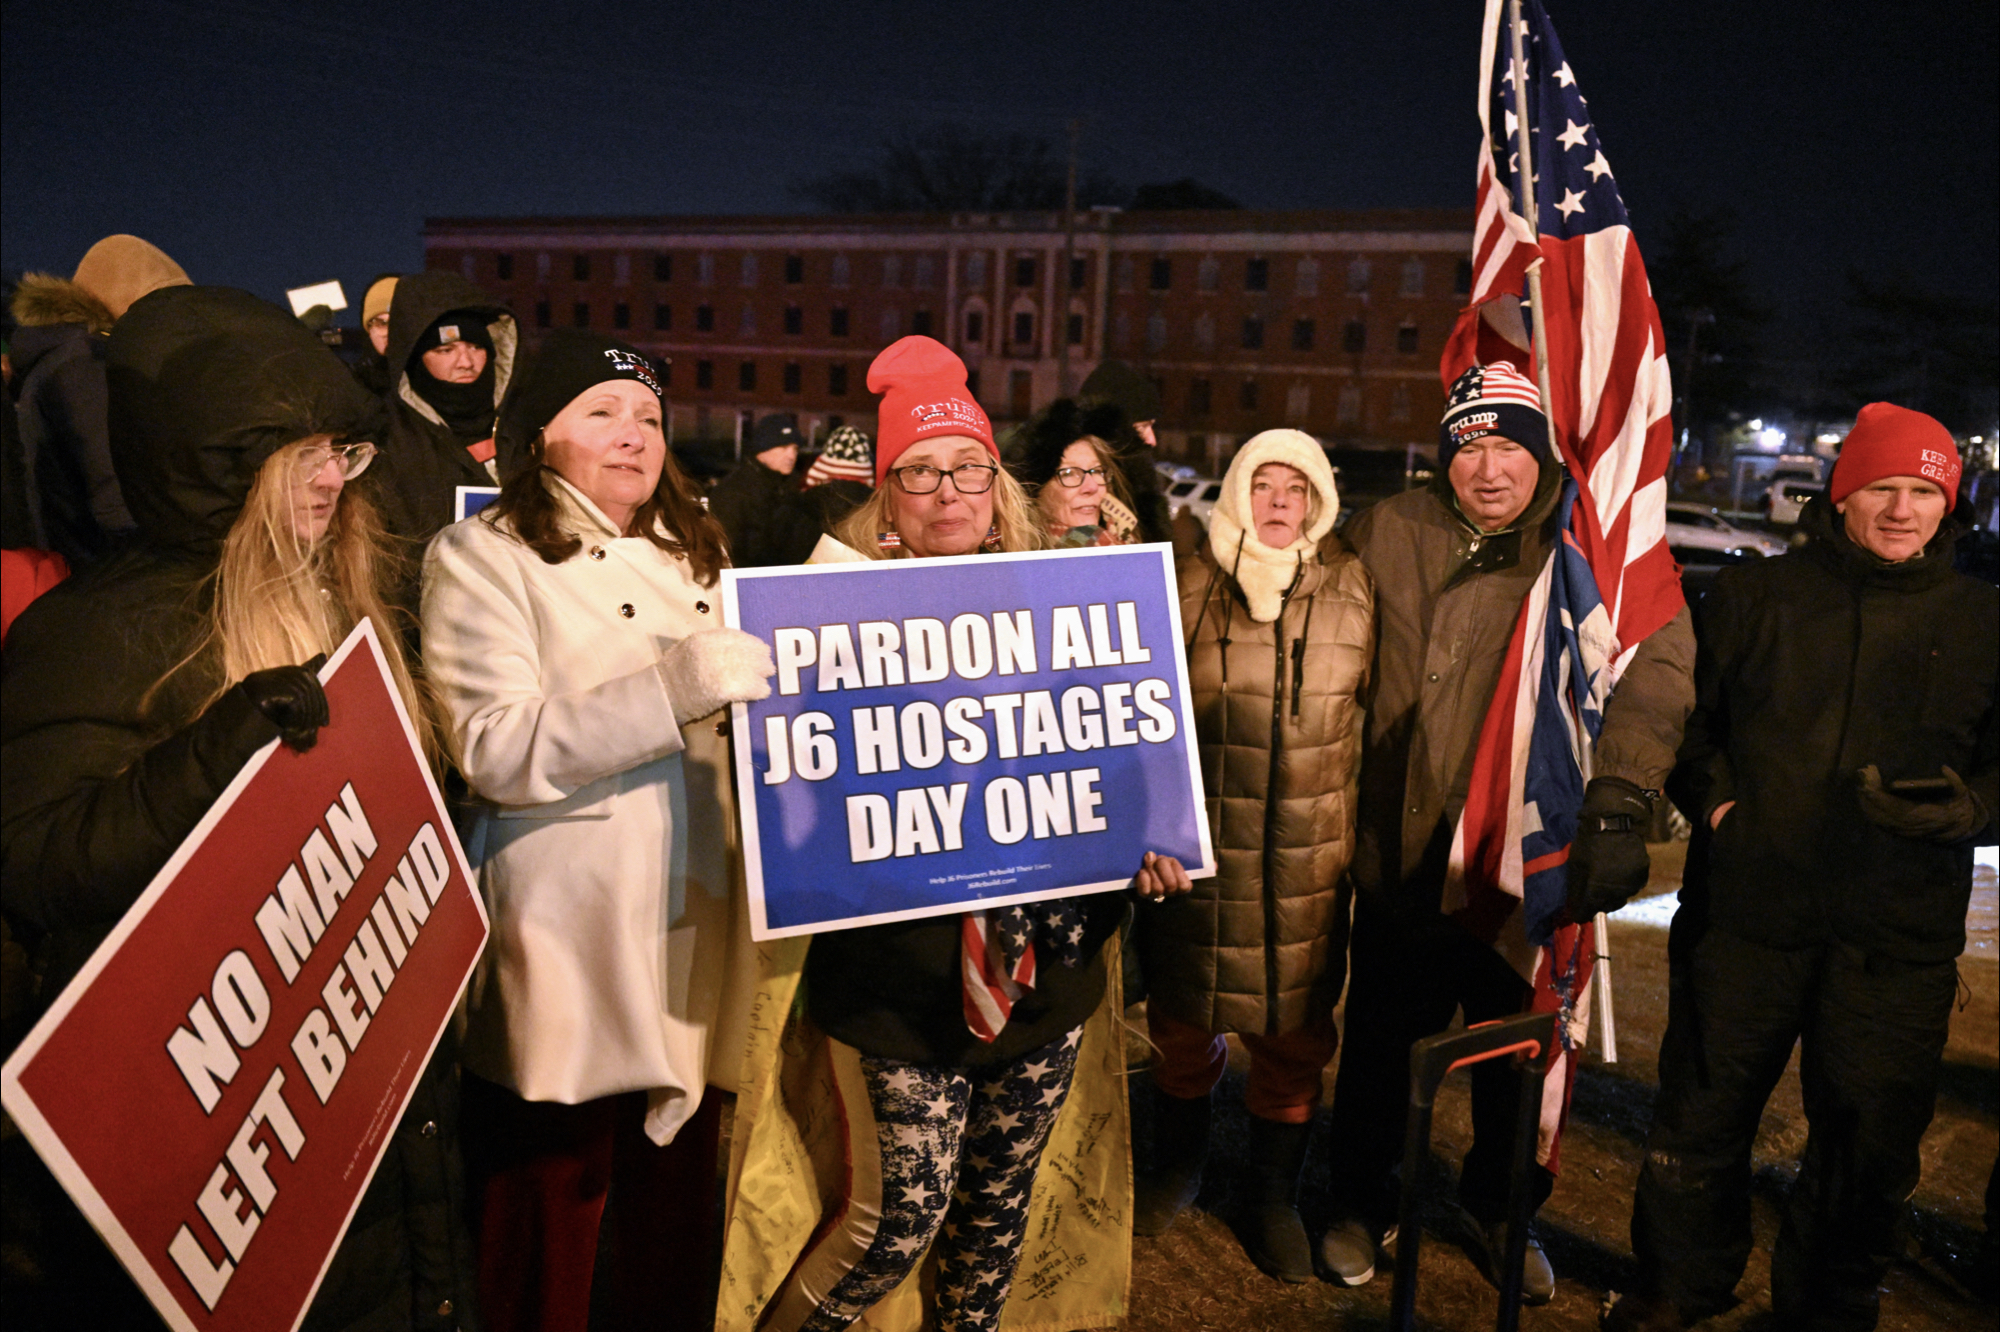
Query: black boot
point(1180, 1146)
point(1275, 1237)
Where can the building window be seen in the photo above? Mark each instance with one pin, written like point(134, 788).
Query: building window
point(746, 324)
point(1121, 331)
point(1204, 331)
point(1406, 339)
point(1246, 395)
point(1200, 397)
point(503, 267)
point(1305, 278)
point(1349, 411)
point(746, 376)
point(920, 323)
point(704, 318)
point(795, 320)
point(926, 276)
point(836, 380)
point(1079, 273)
point(892, 270)
point(1302, 335)
point(1156, 332)
point(580, 268)
point(1024, 327)
point(704, 269)
point(1256, 275)
point(1020, 393)
point(1253, 331)
point(1298, 401)
point(838, 274)
point(975, 327)
point(663, 318)
point(1075, 330)
point(1124, 272)
point(663, 268)
point(621, 269)
point(621, 315)
point(975, 269)
point(890, 326)
point(795, 269)
point(836, 321)
point(1024, 271)
point(972, 384)
point(1208, 274)
point(704, 374)
point(1354, 337)
point(542, 318)
point(747, 269)
point(1359, 273)
point(542, 265)
point(1399, 403)
point(795, 377)
point(580, 314)
point(1413, 277)
point(665, 368)
point(1162, 276)
point(1461, 278)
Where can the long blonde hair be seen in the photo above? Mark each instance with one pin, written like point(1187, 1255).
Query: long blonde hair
point(1017, 517)
point(278, 600)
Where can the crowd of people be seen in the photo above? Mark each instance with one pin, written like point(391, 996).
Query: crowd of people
point(202, 501)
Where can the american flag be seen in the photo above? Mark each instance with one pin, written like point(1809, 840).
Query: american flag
point(1611, 580)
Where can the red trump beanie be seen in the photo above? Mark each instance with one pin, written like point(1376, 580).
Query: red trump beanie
point(923, 396)
point(1888, 440)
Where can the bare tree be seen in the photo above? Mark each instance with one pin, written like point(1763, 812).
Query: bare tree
point(953, 169)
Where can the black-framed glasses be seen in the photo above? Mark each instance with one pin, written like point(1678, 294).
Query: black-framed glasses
point(352, 459)
point(1076, 476)
point(966, 478)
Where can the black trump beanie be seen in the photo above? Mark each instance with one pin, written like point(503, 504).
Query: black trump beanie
point(570, 361)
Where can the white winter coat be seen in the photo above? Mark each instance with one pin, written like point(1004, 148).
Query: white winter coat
point(618, 960)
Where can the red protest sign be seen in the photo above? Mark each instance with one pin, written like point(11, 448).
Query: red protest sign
point(217, 1085)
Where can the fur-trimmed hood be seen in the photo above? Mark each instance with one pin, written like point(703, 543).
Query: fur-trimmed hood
point(1261, 571)
point(44, 300)
point(1061, 424)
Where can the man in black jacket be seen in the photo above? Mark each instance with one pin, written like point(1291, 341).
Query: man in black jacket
point(1841, 763)
point(760, 506)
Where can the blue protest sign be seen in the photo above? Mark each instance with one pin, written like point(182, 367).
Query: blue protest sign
point(956, 734)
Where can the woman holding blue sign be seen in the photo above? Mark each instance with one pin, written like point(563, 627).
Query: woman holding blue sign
point(573, 633)
point(1280, 623)
point(967, 1028)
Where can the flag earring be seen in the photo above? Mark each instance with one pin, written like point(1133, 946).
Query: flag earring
point(992, 542)
point(889, 540)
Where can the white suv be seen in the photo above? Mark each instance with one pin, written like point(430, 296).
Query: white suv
point(1695, 531)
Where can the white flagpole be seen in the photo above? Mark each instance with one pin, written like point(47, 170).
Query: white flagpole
point(1600, 978)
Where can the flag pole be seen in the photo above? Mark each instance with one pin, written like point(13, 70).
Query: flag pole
point(1600, 975)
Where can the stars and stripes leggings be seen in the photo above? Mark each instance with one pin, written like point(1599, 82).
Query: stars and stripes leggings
point(957, 1150)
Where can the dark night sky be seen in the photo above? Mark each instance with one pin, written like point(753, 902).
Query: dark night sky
point(268, 145)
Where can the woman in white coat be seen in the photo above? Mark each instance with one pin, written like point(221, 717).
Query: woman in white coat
point(572, 633)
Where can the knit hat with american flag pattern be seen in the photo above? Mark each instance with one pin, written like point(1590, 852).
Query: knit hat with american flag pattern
point(1494, 399)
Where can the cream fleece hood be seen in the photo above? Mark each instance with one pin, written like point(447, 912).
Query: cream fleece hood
point(1261, 571)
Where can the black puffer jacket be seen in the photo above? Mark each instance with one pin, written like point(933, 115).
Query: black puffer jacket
point(768, 519)
point(71, 491)
point(1811, 666)
point(423, 462)
point(99, 784)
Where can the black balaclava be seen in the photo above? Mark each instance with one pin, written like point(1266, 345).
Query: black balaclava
point(467, 409)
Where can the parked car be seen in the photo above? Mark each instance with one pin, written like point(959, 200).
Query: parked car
point(1786, 497)
point(1699, 534)
point(1196, 494)
point(1171, 472)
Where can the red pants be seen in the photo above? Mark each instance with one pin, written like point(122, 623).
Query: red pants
point(540, 1174)
point(1286, 1071)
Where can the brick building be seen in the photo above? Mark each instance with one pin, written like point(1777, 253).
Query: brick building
point(1328, 321)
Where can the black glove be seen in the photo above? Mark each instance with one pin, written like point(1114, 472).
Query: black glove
point(291, 697)
point(1608, 863)
point(1952, 818)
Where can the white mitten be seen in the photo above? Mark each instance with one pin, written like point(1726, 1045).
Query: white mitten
point(713, 668)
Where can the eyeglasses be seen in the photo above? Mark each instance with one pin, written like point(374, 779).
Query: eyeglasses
point(379, 321)
point(966, 478)
point(352, 459)
point(1076, 476)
